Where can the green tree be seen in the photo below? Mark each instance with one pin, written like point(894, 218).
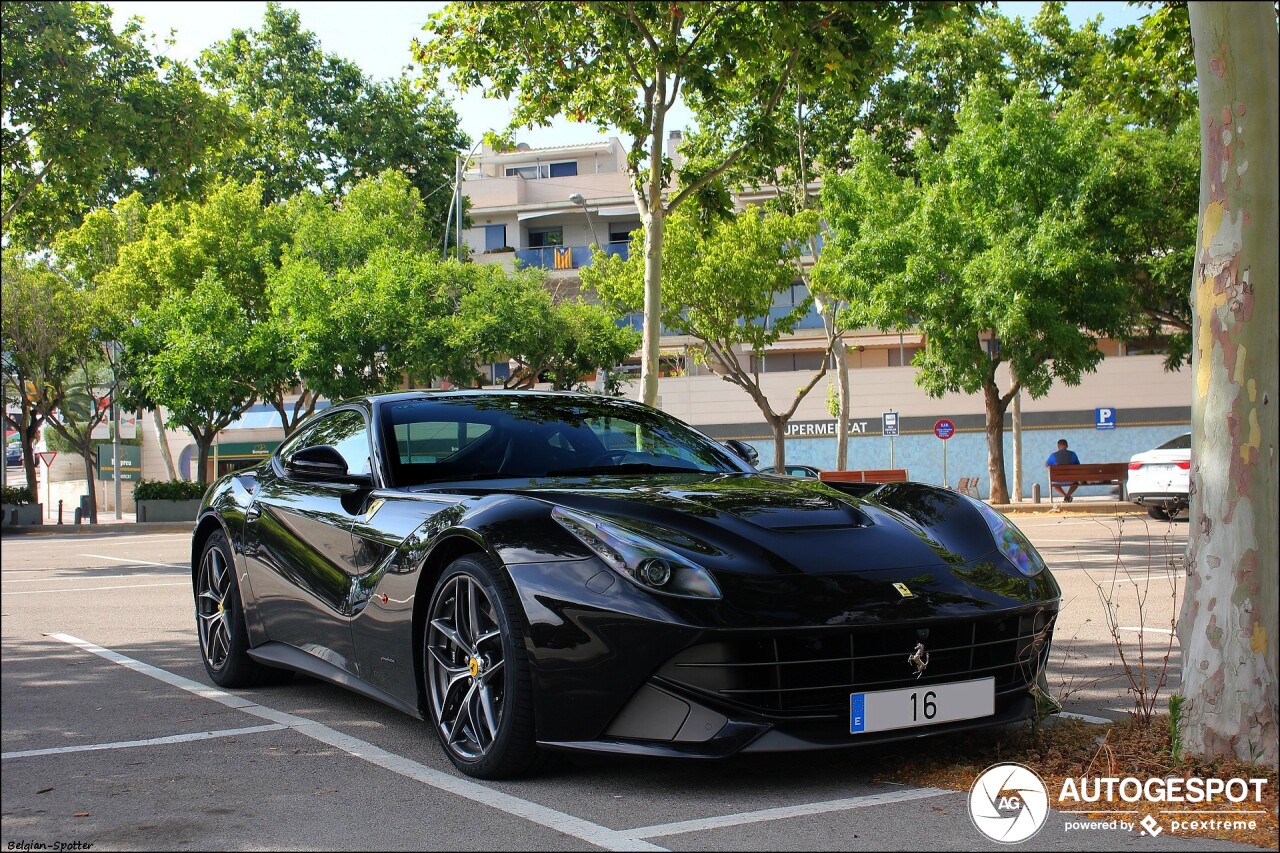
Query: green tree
point(91, 114)
point(867, 209)
point(32, 339)
point(231, 238)
point(316, 123)
point(359, 293)
point(199, 354)
point(1003, 259)
point(52, 338)
point(625, 65)
point(88, 255)
point(933, 68)
point(504, 315)
point(721, 278)
point(1228, 628)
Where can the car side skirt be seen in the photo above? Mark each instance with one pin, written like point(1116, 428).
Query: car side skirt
point(289, 657)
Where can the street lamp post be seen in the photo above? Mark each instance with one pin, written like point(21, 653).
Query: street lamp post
point(581, 202)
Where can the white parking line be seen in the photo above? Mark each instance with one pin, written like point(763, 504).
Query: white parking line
point(155, 741)
point(592, 833)
point(99, 577)
point(97, 588)
point(1142, 629)
point(134, 562)
point(784, 812)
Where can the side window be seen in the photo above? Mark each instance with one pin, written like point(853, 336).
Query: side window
point(345, 431)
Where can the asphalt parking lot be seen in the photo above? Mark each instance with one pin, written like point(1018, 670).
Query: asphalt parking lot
point(114, 738)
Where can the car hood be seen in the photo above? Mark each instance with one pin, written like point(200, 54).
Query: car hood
point(767, 524)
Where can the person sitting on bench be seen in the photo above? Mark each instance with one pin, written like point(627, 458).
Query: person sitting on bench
point(1063, 457)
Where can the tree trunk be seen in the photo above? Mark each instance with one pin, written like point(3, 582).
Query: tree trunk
point(204, 441)
point(165, 452)
point(1228, 624)
point(779, 427)
point(841, 354)
point(995, 443)
point(654, 228)
point(86, 453)
point(1017, 446)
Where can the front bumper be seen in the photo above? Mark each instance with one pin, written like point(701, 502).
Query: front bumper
point(639, 677)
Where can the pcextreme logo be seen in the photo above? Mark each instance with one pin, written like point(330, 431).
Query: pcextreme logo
point(1008, 803)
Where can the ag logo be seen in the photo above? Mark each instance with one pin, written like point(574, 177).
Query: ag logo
point(1008, 803)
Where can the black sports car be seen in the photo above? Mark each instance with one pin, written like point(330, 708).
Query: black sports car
point(536, 571)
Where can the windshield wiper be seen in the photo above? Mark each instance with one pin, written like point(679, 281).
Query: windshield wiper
point(625, 468)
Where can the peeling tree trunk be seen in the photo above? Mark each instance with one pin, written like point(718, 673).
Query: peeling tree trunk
point(654, 228)
point(1228, 625)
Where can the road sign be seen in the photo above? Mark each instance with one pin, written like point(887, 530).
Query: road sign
point(47, 457)
point(890, 424)
point(1104, 418)
point(944, 429)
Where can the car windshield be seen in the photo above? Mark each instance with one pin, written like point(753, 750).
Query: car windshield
point(1182, 442)
point(475, 437)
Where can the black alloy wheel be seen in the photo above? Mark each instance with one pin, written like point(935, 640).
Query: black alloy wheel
point(224, 640)
point(476, 673)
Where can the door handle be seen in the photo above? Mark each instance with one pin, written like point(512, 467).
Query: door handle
point(252, 513)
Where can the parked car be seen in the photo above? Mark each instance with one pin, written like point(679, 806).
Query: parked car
point(801, 471)
point(13, 455)
point(531, 572)
point(1160, 479)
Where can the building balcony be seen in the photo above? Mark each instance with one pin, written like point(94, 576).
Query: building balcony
point(567, 257)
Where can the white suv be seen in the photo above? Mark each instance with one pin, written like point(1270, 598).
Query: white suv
point(1160, 479)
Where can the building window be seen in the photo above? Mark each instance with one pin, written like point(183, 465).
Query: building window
point(620, 232)
point(534, 171)
point(540, 237)
point(495, 237)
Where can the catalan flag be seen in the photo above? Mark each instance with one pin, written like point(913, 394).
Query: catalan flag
point(563, 258)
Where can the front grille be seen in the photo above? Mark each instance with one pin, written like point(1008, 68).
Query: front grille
point(811, 674)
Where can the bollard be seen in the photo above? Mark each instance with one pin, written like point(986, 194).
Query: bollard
point(1035, 493)
point(59, 510)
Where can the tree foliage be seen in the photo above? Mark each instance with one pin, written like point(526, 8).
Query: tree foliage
point(1006, 259)
point(54, 364)
point(316, 123)
point(91, 114)
point(721, 279)
point(625, 64)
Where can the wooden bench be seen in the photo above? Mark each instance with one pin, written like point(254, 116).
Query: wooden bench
point(1089, 474)
point(882, 475)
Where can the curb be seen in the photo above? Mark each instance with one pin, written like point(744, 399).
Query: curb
point(121, 529)
point(1076, 508)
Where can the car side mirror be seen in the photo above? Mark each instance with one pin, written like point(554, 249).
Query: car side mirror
point(323, 462)
point(743, 450)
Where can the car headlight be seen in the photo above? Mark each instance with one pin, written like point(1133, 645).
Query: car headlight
point(645, 563)
point(1011, 541)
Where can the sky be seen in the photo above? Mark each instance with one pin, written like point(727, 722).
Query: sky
point(377, 37)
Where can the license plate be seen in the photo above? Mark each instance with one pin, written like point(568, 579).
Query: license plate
point(926, 705)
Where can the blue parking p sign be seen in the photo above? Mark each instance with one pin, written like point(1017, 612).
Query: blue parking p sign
point(1104, 418)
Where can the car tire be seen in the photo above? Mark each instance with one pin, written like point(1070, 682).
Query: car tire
point(1159, 513)
point(476, 672)
point(220, 624)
